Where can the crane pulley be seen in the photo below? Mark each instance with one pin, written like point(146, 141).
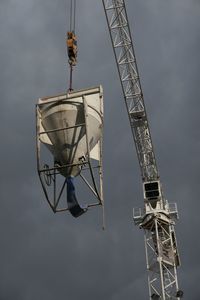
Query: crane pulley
point(72, 47)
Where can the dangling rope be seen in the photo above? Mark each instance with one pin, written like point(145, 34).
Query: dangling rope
point(71, 40)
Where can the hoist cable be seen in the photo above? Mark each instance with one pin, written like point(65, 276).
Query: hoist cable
point(70, 17)
point(74, 15)
point(72, 25)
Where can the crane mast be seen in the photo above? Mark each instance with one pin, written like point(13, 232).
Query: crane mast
point(157, 217)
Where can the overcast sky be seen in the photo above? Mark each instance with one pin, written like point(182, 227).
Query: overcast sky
point(45, 256)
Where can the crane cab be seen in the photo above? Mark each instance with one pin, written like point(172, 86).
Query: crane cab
point(152, 192)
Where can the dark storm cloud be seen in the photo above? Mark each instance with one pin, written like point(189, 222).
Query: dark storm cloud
point(47, 256)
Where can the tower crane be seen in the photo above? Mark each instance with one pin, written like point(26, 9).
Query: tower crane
point(70, 127)
point(157, 218)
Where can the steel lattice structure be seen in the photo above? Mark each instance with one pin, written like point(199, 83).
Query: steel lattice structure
point(158, 217)
point(130, 81)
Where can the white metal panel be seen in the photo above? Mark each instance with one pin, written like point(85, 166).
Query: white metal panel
point(95, 152)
